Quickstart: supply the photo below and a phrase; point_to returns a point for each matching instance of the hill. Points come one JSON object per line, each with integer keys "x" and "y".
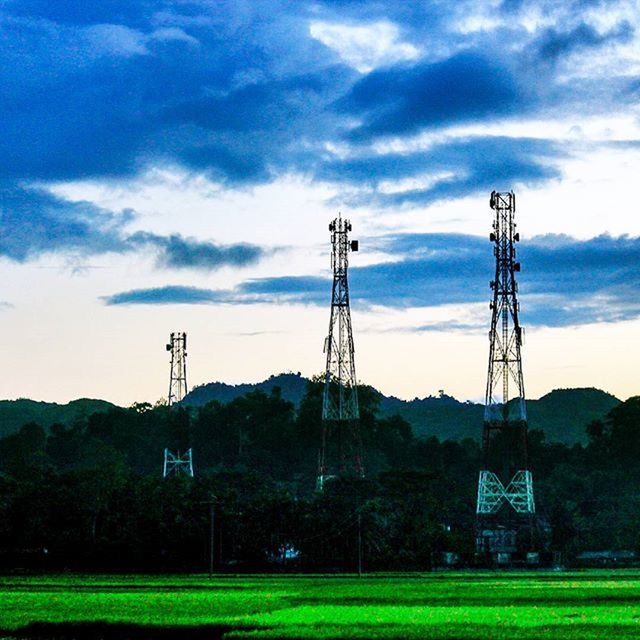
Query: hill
{"x": 292, "y": 386}
{"x": 15, "y": 413}
{"x": 562, "y": 414}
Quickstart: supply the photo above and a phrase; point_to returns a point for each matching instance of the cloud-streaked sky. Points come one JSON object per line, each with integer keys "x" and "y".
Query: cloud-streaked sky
{"x": 173, "y": 165}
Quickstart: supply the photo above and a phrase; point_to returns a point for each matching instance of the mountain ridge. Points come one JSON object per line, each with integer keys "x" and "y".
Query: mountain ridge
{"x": 561, "y": 413}
{"x": 16, "y": 413}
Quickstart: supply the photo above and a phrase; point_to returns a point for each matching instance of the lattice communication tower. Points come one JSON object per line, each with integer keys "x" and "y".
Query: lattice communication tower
{"x": 505, "y": 409}
{"x": 341, "y": 448}
{"x": 175, "y": 461}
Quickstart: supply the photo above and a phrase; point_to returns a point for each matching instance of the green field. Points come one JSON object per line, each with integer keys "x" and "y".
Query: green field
{"x": 531, "y": 606}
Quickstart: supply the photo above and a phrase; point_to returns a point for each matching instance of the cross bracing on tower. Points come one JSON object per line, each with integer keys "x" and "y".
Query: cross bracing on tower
{"x": 176, "y": 463}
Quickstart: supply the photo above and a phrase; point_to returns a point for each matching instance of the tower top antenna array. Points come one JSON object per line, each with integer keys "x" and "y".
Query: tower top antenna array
{"x": 340, "y": 449}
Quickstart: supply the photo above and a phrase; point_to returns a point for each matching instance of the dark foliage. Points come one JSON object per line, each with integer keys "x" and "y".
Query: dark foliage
{"x": 89, "y": 494}
{"x": 561, "y": 414}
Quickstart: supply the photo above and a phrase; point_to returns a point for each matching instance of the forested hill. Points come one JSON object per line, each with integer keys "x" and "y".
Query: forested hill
{"x": 15, "y": 413}
{"x": 292, "y": 387}
{"x": 561, "y": 414}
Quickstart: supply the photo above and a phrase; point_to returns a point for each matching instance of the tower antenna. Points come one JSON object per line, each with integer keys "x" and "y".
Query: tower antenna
{"x": 505, "y": 412}
{"x": 340, "y": 448}
{"x": 175, "y": 462}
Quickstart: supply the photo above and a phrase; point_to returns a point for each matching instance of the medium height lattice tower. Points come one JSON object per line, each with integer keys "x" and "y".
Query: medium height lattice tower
{"x": 340, "y": 449}
{"x": 505, "y": 411}
{"x": 175, "y": 462}
{"x": 177, "y": 346}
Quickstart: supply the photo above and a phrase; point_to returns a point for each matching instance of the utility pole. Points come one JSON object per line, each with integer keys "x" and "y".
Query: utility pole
{"x": 176, "y": 462}
{"x": 359, "y": 545}
{"x": 340, "y": 448}
{"x": 212, "y": 516}
{"x": 211, "y": 503}
{"x": 505, "y": 409}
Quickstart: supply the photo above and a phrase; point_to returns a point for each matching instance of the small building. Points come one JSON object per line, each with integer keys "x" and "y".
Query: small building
{"x": 445, "y": 559}
{"x": 498, "y": 540}
{"x": 608, "y": 558}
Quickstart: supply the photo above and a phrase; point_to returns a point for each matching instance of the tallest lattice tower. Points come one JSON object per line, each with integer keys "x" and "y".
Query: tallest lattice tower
{"x": 505, "y": 480}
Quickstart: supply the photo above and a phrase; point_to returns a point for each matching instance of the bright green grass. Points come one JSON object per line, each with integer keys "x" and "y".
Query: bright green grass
{"x": 456, "y": 606}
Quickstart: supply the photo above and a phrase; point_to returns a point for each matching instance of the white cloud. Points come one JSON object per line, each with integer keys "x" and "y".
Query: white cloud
{"x": 116, "y": 39}
{"x": 173, "y": 33}
{"x": 364, "y": 47}
{"x": 424, "y": 181}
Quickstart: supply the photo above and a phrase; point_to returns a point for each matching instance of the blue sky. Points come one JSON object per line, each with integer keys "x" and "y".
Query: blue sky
{"x": 173, "y": 165}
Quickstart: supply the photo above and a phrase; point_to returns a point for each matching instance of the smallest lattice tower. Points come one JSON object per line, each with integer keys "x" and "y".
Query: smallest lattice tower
{"x": 176, "y": 462}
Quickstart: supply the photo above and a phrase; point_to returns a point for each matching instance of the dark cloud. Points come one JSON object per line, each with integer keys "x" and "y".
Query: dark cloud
{"x": 168, "y": 295}
{"x": 302, "y": 289}
{"x": 237, "y": 90}
{"x": 511, "y": 6}
{"x": 572, "y": 8}
{"x": 564, "y": 281}
{"x": 601, "y": 274}
{"x": 466, "y": 166}
{"x": 465, "y": 327}
{"x": 178, "y": 252}
{"x": 405, "y": 99}
{"x": 553, "y": 44}
{"x": 33, "y": 222}
{"x": 241, "y": 92}
{"x": 212, "y": 87}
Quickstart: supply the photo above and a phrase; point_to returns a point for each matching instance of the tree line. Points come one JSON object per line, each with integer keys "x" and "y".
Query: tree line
{"x": 90, "y": 495}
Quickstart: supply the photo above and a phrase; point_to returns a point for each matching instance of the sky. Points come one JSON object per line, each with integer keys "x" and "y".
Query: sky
{"x": 173, "y": 166}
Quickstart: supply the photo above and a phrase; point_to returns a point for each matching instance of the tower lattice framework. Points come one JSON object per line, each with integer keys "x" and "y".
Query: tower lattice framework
{"x": 505, "y": 409}
{"x": 175, "y": 461}
{"x": 340, "y": 449}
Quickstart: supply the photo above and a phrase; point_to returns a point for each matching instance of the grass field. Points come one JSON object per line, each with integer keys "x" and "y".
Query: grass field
{"x": 515, "y": 606}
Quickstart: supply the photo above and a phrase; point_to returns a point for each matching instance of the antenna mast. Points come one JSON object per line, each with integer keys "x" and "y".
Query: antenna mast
{"x": 340, "y": 412}
{"x": 175, "y": 462}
